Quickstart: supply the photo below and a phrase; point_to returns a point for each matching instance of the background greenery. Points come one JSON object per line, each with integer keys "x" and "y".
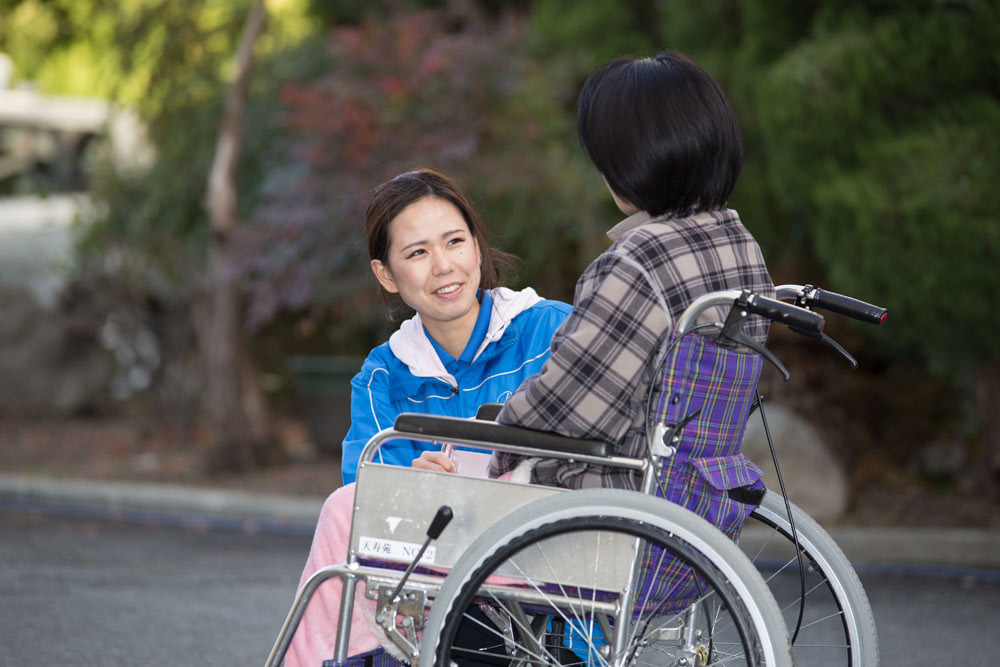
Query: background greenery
{"x": 872, "y": 154}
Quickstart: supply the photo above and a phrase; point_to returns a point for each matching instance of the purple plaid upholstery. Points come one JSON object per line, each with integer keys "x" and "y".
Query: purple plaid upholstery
{"x": 377, "y": 658}
{"x": 698, "y": 374}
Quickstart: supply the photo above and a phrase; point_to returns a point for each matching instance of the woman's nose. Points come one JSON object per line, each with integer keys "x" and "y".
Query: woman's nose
{"x": 441, "y": 263}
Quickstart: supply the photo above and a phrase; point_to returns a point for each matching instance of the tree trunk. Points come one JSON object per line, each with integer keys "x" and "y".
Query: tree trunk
{"x": 234, "y": 404}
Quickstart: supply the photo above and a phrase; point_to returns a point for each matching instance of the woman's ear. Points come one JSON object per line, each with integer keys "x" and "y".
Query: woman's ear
{"x": 384, "y": 277}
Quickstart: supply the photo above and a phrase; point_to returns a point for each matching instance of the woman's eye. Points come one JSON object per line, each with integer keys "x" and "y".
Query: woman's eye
{"x": 456, "y": 240}
{"x": 418, "y": 251}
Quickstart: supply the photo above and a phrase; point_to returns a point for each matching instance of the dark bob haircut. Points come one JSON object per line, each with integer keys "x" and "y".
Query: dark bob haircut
{"x": 662, "y": 133}
{"x": 389, "y": 199}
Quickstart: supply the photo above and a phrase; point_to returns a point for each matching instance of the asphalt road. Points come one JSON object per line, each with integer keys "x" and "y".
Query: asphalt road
{"x": 926, "y": 620}
{"x": 80, "y": 592}
{"x": 91, "y": 592}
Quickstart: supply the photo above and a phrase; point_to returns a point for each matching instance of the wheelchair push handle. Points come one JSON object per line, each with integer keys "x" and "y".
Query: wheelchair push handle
{"x": 847, "y": 306}
{"x": 785, "y": 313}
{"x": 749, "y": 302}
{"x": 809, "y": 296}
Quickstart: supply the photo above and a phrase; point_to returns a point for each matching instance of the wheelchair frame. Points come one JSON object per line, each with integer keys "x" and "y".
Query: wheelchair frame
{"x": 522, "y": 507}
{"x": 516, "y": 502}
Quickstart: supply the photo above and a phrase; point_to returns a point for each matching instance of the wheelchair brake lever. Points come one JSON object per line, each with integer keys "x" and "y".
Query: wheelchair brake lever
{"x": 824, "y": 338}
{"x": 743, "y": 339}
{"x": 441, "y": 520}
{"x": 733, "y": 330}
{"x": 409, "y": 606}
{"x": 803, "y": 302}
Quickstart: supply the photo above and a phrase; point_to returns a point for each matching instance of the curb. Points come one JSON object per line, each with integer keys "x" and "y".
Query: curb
{"x": 161, "y": 504}
{"x": 948, "y": 551}
{"x": 912, "y": 549}
{"x": 903, "y": 548}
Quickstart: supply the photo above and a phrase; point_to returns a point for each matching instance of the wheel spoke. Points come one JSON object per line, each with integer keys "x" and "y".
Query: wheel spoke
{"x": 566, "y": 575}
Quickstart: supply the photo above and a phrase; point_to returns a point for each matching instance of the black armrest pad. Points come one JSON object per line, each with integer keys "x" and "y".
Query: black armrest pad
{"x": 489, "y": 411}
{"x": 443, "y": 428}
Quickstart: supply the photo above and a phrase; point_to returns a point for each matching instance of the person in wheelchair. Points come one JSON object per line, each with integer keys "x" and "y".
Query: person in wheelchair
{"x": 471, "y": 341}
{"x": 668, "y": 145}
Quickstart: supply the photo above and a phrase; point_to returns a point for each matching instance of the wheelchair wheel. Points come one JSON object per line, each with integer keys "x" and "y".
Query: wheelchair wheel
{"x": 838, "y": 627}
{"x": 548, "y": 579}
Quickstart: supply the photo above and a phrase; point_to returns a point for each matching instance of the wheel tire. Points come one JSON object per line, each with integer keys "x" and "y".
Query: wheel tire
{"x": 736, "y": 587}
{"x": 838, "y": 627}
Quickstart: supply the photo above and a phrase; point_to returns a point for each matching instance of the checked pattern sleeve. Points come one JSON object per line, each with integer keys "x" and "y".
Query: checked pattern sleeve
{"x": 602, "y": 362}
{"x": 600, "y": 355}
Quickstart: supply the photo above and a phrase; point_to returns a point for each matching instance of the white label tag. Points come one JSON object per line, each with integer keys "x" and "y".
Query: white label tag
{"x": 378, "y": 547}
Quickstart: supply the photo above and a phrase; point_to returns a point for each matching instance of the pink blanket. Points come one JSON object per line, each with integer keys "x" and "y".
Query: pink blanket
{"x": 316, "y": 636}
{"x": 315, "y": 639}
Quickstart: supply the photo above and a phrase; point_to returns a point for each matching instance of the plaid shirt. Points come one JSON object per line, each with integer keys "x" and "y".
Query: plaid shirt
{"x": 595, "y": 382}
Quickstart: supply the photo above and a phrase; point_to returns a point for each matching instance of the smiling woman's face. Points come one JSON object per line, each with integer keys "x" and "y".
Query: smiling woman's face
{"x": 433, "y": 264}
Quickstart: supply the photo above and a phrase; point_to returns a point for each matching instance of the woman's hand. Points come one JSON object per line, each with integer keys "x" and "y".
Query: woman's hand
{"x": 436, "y": 461}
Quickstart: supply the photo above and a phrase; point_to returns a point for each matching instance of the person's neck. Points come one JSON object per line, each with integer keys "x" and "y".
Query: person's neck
{"x": 453, "y": 336}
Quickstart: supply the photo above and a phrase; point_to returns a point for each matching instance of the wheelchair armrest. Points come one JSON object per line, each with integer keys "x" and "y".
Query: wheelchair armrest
{"x": 444, "y": 428}
{"x": 489, "y": 411}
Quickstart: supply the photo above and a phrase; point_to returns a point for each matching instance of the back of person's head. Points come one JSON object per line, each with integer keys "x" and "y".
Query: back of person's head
{"x": 662, "y": 133}
{"x": 391, "y": 198}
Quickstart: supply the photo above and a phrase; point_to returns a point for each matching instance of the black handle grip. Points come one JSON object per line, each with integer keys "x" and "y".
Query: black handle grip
{"x": 440, "y": 522}
{"x": 847, "y": 306}
{"x": 786, "y": 313}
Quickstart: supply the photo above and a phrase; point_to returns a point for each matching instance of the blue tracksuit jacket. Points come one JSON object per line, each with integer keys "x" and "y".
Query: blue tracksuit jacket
{"x": 406, "y": 374}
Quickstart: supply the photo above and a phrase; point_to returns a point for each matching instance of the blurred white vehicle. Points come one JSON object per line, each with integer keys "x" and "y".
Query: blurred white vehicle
{"x": 48, "y": 146}
{"x": 59, "y": 356}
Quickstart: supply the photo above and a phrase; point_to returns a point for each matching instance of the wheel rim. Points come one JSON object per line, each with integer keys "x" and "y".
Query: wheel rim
{"x": 558, "y": 624}
{"x": 837, "y": 627}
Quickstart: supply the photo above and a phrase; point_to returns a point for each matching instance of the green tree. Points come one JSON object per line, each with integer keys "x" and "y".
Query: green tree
{"x": 156, "y": 246}
{"x": 594, "y": 32}
{"x": 870, "y": 137}
{"x": 871, "y": 147}
{"x": 328, "y": 117}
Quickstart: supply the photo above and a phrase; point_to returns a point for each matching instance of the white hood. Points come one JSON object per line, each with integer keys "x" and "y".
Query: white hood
{"x": 411, "y": 345}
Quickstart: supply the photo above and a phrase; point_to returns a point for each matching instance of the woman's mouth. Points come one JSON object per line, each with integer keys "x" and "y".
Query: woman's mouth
{"x": 448, "y": 289}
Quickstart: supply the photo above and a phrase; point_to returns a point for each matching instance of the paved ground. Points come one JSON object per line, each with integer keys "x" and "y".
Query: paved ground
{"x": 97, "y": 592}
{"x": 86, "y": 592}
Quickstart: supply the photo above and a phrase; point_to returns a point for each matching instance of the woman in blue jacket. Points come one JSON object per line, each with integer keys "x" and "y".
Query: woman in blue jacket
{"x": 470, "y": 342}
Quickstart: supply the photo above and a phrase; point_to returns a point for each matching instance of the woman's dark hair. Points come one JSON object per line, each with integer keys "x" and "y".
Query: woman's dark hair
{"x": 662, "y": 133}
{"x": 389, "y": 199}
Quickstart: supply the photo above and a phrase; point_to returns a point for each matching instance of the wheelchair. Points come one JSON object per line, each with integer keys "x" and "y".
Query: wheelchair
{"x": 532, "y": 575}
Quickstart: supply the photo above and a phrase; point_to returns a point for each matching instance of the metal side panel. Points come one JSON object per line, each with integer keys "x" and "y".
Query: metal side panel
{"x": 395, "y": 505}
